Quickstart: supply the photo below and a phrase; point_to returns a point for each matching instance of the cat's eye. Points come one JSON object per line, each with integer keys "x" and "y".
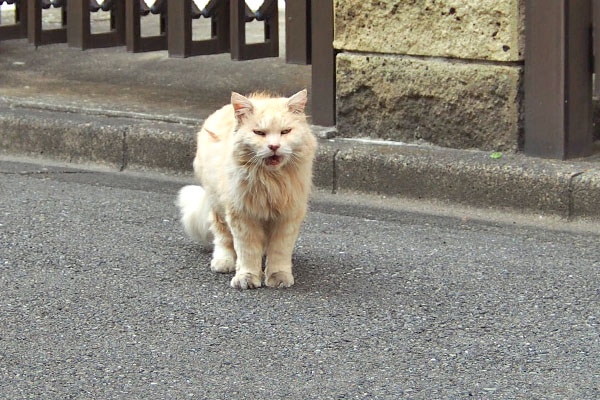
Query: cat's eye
{"x": 285, "y": 131}
{"x": 260, "y": 133}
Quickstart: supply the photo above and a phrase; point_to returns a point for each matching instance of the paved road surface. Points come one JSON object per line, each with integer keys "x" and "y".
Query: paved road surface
{"x": 102, "y": 297}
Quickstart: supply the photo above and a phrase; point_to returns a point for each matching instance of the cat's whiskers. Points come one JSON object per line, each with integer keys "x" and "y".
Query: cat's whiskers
{"x": 294, "y": 158}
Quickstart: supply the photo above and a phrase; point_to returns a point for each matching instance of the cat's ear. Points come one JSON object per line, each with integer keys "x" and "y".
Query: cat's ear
{"x": 297, "y": 103}
{"x": 241, "y": 105}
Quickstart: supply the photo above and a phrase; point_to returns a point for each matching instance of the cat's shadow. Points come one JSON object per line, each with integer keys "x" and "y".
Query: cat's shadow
{"x": 330, "y": 275}
{"x": 314, "y": 271}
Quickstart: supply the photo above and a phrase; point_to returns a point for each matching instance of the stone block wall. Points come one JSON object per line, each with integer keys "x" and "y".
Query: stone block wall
{"x": 445, "y": 71}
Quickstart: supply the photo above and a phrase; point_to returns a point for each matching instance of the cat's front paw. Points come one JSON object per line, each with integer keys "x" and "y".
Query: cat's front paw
{"x": 222, "y": 265}
{"x": 246, "y": 280}
{"x": 281, "y": 279}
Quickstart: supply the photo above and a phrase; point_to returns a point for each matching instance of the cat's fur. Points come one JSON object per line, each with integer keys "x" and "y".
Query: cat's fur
{"x": 254, "y": 161}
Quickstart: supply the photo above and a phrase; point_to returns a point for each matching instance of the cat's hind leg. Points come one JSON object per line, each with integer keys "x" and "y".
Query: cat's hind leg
{"x": 224, "y": 257}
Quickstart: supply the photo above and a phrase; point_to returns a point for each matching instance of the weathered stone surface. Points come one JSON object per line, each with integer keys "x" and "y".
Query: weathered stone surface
{"x": 323, "y": 172}
{"x": 474, "y": 29}
{"x": 452, "y": 104}
{"x": 585, "y": 192}
{"x": 161, "y": 146}
{"x": 78, "y": 138}
{"x": 458, "y": 176}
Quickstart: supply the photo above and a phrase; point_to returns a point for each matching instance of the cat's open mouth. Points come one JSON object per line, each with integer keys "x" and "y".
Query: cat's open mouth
{"x": 274, "y": 160}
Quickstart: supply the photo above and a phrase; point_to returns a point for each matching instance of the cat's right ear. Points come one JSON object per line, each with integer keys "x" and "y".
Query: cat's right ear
{"x": 297, "y": 103}
{"x": 242, "y": 106}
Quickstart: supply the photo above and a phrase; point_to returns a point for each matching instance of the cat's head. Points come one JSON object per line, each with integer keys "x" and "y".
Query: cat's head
{"x": 271, "y": 132}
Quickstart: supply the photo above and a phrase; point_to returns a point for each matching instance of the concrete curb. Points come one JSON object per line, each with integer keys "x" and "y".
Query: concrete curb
{"x": 118, "y": 141}
{"x": 515, "y": 182}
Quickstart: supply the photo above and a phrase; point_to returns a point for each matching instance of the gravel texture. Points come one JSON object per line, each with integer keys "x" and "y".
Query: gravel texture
{"x": 104, "y": 297}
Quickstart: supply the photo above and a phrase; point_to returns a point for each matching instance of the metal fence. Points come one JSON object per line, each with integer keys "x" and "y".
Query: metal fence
{"x": 562, "y": 37}
{"x": 309, "y": 33}
{"x": 559, "y": 55}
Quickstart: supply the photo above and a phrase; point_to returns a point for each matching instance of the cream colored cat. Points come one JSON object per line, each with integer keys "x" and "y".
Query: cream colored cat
{"x": 254, "y": 161}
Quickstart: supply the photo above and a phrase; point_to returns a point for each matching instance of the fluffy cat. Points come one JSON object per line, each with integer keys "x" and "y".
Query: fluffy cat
{"x": 254, "y": 162}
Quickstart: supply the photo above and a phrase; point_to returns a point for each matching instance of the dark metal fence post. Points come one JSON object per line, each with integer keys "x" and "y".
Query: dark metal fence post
{"x": 220, "y": 28}
{"x": 237, "y": 24}
{"x": 596, "y": 44}
{"x": 117, "y": 17}
{"x": 179, "y": 31}
{"x": 323, "y": 63}
{"x": 34, "y": 21}
{"x": 132, "y": 25}
{"x": 558, "y": 78}
{"x": 297, "y": 31}
{"x": 78, "y": 23}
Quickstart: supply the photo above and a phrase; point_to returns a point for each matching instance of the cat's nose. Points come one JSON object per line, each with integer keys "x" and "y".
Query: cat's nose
{"x": 274, "y": 147}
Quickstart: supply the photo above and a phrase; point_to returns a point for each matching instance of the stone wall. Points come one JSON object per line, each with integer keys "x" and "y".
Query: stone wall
{"x": 445, "y": 71}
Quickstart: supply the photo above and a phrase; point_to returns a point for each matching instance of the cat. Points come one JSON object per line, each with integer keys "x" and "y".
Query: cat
{"x": 254, "y": 161}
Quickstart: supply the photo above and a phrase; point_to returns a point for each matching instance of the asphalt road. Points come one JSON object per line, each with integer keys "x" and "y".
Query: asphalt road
{"x": 102, "y": 297}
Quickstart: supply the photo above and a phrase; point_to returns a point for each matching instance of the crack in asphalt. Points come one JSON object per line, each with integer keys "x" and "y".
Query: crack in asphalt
{"x": 571, "y": 200}
{"x": 334, "y": 177}
{"x": 42, "y": 172}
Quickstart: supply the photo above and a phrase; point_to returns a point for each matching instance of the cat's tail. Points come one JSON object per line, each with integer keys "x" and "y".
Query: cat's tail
{"x": 195, "y": 211}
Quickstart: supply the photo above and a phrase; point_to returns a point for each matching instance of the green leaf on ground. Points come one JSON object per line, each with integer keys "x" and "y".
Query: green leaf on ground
{"x": 496, "y": 155}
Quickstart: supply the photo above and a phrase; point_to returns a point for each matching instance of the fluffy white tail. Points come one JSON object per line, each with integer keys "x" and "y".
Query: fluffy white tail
{"x": 195, "y": 210}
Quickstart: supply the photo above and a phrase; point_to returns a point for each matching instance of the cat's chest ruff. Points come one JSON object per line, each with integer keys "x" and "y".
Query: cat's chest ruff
{"x": 264, "y": 197}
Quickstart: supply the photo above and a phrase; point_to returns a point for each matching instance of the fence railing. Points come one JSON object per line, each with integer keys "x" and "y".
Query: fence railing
{"x": 559, "y": 54}
{"x": 309, "y": 33}
{"x": 561, "y": 39}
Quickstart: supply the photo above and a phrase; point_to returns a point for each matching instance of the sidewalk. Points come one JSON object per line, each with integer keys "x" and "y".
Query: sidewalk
{"x": 142, "y": 110}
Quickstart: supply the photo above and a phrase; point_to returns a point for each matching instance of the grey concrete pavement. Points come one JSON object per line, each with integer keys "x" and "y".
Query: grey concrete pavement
{"x": 104, "y": 297}
{"x": 150, "y": 83}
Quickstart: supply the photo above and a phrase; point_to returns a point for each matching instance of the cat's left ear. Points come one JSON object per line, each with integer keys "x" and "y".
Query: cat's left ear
{"x": 297, "y": 103}
{"x": 241, "y": 105}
